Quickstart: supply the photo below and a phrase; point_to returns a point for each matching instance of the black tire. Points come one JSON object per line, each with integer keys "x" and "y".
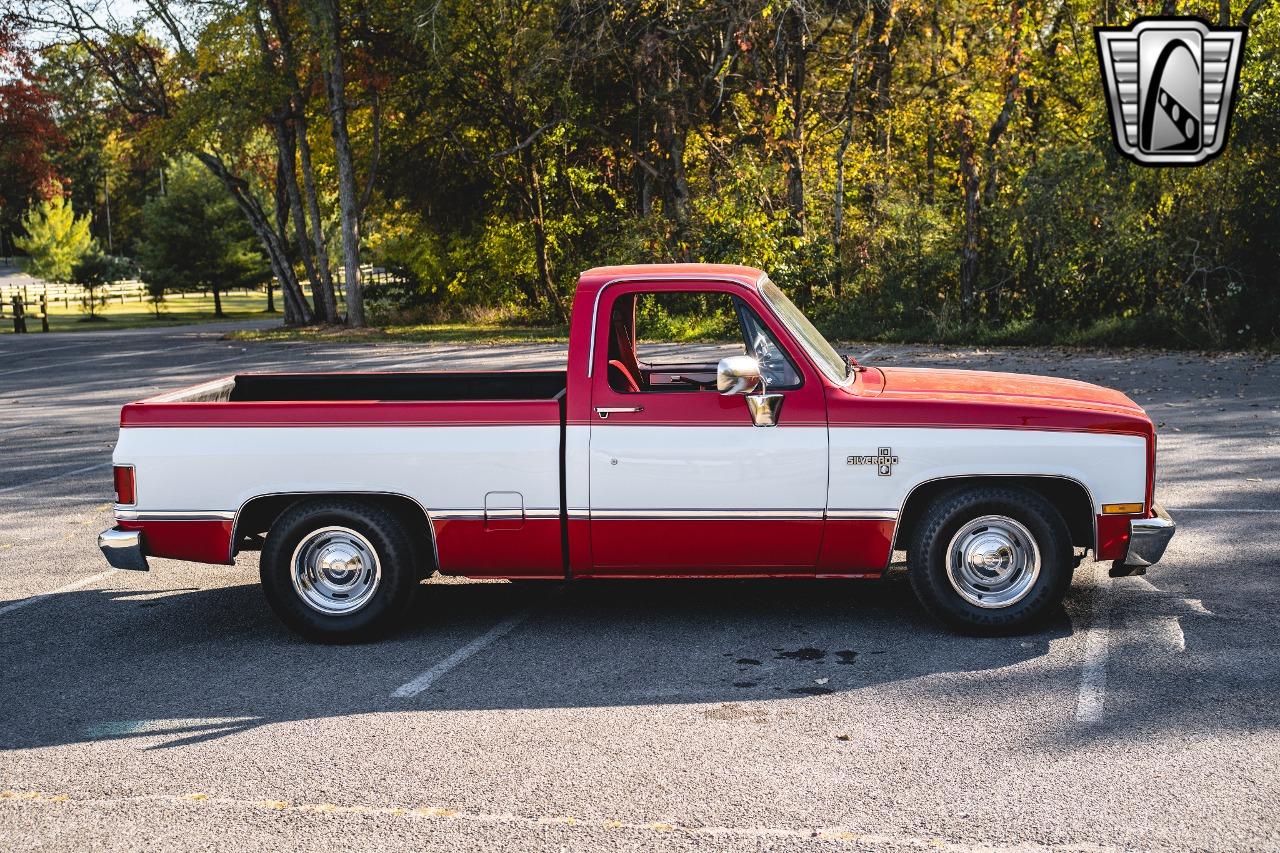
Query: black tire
{"x": 947, "y": 516}
{"x": 384, "y": 599}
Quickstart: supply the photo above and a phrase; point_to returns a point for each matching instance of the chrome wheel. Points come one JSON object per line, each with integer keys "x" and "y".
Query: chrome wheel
{"x": 993, "y": 561}
{"x": 335, "y": 570}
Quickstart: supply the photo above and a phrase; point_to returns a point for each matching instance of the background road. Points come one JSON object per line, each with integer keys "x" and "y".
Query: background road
{"x": 170, "y": 710}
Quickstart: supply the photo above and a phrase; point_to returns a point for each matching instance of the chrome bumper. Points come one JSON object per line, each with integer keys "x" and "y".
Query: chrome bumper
{"x": 1148, "y": 537}
{"x": 123, "y": 549}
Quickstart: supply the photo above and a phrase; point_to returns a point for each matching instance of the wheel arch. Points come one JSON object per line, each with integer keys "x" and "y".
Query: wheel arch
{"x": 1069, "y": 496}
{"x": 257, "y": 514}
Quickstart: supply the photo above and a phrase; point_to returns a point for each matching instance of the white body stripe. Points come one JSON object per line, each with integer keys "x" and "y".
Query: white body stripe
{"x": 220, "y": 468}
{"x": 1112, "y": 467}
{"x": 707, "y": 468}
{"x": 659, "y": 469}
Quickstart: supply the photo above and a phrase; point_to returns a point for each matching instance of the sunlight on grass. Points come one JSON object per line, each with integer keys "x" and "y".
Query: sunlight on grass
{"x": 175, "y": 311}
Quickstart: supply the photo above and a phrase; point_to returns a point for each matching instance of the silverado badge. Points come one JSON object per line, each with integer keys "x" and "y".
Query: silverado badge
{"x": 884, "y": 460}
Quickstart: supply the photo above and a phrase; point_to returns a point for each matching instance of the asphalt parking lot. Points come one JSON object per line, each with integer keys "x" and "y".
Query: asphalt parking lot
{"x": 170, "y": 710}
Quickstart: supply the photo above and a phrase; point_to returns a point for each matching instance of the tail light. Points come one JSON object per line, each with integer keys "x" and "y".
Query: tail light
{"x": 126, "y": 490}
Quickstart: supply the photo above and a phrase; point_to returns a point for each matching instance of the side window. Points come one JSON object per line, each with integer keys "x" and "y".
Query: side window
{"x": 775, "y": 365}
{"x": 672, "y": 341}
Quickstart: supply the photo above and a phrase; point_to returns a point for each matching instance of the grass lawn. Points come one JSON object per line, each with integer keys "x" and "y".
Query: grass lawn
{"x": 175, "y": 311}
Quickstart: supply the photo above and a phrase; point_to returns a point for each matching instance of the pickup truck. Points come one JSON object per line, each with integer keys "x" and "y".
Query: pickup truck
{"x": 781, "y": 459}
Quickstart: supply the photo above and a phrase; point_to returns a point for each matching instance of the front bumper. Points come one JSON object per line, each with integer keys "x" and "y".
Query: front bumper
{"x": 1148, "y": 537}
{"x": 124, "y": 549}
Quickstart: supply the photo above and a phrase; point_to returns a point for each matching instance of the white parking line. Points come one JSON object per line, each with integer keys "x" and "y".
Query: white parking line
{"x": 43, "y": 350}
{"x": 56, "y": 477}
{"x": 9, "y": 608}
{"x": 109, "y": 355}
{"x": 412, "y": 688}
{"x": 867, "y": 355}
{"x": 1097, "y": 648}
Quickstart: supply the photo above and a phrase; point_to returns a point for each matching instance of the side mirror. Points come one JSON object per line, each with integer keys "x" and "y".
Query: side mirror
{"x": 738, "y": 374}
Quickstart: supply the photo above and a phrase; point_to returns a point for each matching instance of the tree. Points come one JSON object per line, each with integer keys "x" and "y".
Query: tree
{"x": 327, "y": 21}
{"x": 94, "y": 271}
{"x": 28, "y": 134}
{"x": 56, "y": 239}
{"x": 194, "y": 239}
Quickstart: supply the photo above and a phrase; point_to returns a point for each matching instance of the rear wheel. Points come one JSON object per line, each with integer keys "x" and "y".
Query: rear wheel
{"x": 338, "y": 570}
{"x": 990, "y": 560}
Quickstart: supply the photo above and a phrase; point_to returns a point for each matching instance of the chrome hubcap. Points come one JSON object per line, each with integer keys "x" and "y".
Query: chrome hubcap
{"x": 993, "y": 561}
{"x": 335, "y": 570}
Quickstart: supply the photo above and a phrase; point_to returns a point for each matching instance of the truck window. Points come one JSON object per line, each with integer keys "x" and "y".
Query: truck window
{"x": 672, "y": 341}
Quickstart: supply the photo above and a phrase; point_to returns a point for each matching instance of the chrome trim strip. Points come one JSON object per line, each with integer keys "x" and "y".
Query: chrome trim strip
{"x": 175, "y": 515}
{"x": 862, "y": 514}
{"x": 595, "y": 309}
{"x": 709, "y": 514}
{"x": 503, "y": 513}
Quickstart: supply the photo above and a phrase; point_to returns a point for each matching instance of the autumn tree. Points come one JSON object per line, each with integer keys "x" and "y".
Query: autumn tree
{"x": 28, "y": 134}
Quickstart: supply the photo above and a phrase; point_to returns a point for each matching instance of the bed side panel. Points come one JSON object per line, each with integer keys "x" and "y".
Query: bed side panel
{"x": 450, "y": 470}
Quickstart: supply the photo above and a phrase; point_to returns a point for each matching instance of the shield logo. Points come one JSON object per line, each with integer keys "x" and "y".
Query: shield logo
{"x": 1170, "y": 86}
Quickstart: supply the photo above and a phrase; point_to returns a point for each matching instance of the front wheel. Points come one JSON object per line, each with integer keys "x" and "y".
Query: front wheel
{"x": 338, "y": 570}
{"x": 990, "y": 560}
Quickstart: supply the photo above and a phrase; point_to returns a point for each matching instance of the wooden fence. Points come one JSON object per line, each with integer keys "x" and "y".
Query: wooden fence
{"x": 33, "y": 292}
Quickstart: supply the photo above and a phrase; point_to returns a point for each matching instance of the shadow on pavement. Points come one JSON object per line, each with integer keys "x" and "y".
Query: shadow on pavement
{"x": 200, "y": 665}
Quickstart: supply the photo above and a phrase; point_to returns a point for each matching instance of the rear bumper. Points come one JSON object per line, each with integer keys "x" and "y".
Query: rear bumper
{"x": 124, "y": 549}
{"x": 1148, "y": 537}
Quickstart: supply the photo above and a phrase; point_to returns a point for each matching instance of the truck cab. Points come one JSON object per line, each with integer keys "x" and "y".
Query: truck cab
{"x": 766, "y": 455}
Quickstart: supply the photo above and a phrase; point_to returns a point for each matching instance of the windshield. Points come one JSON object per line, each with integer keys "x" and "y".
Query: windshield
{"x": 810, "y": 338}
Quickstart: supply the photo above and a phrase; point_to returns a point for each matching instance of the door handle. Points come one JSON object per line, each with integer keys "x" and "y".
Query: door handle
{"x": 605, "y": 411}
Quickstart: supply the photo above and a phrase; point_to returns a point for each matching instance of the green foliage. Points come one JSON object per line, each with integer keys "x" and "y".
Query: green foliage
{"x": 94, "y": 271}
{"x": 905, "y": 170}
{"x": 56, "y": 239}
{"x": 194, "y": 238}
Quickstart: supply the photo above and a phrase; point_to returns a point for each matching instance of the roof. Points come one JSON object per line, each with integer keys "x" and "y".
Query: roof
{"x": 746, "y": 275}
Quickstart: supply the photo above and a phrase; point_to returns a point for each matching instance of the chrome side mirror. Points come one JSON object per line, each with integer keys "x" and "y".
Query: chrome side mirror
{"x": 738, "y": 374}
{"x": 764, "y": 409}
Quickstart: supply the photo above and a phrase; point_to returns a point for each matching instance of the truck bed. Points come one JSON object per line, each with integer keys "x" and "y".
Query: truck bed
{"x": 325, "y": 387}
{"x": 346, "y": 398}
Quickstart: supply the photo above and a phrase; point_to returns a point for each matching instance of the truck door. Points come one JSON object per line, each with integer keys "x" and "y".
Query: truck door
{"x": 682, "y": 481}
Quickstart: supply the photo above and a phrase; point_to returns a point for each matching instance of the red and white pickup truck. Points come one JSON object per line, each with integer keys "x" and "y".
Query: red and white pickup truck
{"x": 782, "y": 460}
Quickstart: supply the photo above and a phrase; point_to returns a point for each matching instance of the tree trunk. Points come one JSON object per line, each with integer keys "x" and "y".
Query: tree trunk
{"x": 335, "y": 82}
{"x": 296, "y": 310}
{"x": 286, "y": 150}
{"x": 545, "y": 279}
{"x": 879, "y": 35}
{"x": 969, "y": 184}
{"x": 324, "y": 281}
{"x": 794, "y": 72}
{"x": 217, "y": 302}
{"x": 672, "y": 136}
